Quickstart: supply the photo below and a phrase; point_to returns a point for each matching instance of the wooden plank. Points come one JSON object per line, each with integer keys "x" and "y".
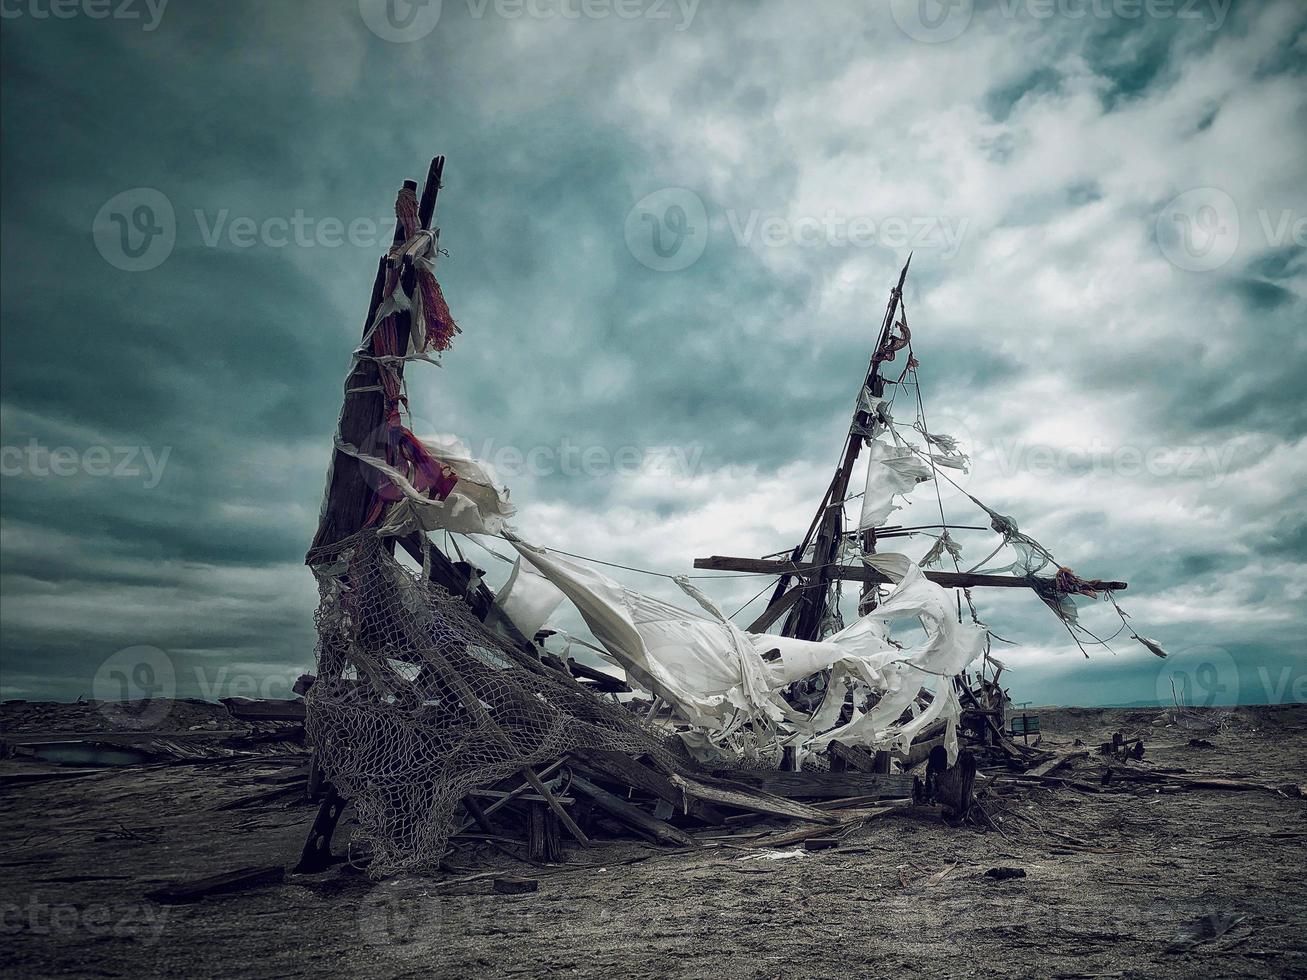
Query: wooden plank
{"x": 227, "y": 881}
{"x": 847, "y": 821}
{"x": 1055, "y": 763}
{"x": 747, "y": 798}
{"x": 621, "y": 767}
{"x": 856, "y": 758}
{"x": 265, "y": 709}
{"x": 825, "y": 785}
{"x": 602, "y": 679}
{"x": 776, "y": 610}
{"x": 856, "y": 573}
{"x": 645, "y": 824}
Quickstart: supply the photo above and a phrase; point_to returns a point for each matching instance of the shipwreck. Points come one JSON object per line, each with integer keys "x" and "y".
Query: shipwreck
{"x": 439, "y": 713}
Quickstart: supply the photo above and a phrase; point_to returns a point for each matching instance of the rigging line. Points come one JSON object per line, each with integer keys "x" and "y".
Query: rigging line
{"x": 751, "y": 601}
{"x": 934, "y": 470}
{"x": 646, "y": 571}
{"x": 629, "y": 568}
{"x": 987, "y": 557}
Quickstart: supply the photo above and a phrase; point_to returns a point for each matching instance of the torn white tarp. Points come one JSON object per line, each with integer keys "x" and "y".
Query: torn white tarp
{"x": 717, "y": 676}
{"x": 476, "y": 505}
{"x": 892, "y": 469}
{"x": 703, "y": 665}
{"x": 528, "y": 599}
{"x": 949, "y": 648}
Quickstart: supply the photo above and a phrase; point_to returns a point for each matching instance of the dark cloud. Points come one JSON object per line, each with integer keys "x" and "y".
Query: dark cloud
{"x": 229, "y": 358}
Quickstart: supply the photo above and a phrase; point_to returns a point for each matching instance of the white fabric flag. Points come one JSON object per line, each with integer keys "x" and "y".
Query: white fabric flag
{"x": 528, "y": 599}
{"x": 891, "y": 470}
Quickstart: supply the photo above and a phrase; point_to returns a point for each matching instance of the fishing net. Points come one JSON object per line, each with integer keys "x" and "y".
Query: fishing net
{"x": 416, "y": 703}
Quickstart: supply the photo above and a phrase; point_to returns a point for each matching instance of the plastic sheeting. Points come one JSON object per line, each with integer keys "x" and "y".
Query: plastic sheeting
{"x": 477, "y": 505}
{"x": 892, "y": 469}
{"x": 695, "y": 662}
{"x": 718, "y": 677}
{"x": 528, "y": 599}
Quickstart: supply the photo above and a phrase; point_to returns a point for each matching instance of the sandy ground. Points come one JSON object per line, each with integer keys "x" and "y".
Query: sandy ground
{"x": 1127, "y": 882}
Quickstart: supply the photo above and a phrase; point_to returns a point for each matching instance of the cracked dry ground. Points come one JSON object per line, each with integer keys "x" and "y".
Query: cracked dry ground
{"x": 1126, "y": 882}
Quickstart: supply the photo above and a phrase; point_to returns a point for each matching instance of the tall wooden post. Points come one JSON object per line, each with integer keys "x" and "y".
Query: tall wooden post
{"x": 349, "y": 496}
{"x": 805, "y": 617}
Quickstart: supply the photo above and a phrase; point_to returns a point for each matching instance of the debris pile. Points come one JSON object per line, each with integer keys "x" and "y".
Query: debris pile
{"x": 439, "y": 713}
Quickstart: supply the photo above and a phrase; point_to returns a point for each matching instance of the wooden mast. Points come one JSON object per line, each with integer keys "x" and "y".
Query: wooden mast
{"x": 809, "y": 607}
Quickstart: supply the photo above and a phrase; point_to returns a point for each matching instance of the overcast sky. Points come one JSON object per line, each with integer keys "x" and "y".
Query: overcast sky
{"x": 671, "y": 232}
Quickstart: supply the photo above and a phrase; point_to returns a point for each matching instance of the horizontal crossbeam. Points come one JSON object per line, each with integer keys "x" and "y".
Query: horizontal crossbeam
{"x": 858, "y": 573}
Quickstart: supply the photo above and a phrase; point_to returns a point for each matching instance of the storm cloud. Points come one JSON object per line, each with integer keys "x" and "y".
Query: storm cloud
{"x": 1105, "y": 208}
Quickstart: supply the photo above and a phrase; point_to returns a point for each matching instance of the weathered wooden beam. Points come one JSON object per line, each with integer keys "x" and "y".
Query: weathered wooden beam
{"x": 350, "y": 495}
{"x": 825, "y": 785}
{"x": 748, "y": 798}
{"x": 776, "y": 610}
{"x": 854, "y": 573}
{"x": 620, "y": 768}
{"x": 643, "y": 823}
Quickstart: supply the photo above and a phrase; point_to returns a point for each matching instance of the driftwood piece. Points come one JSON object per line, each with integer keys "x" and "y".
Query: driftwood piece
{"x": 620, "y": 767}
{"x": 514, "y": 885}
{"x": 218, "y": 884}
{"x": 826, "y": 785}
{"x": 846, "y": 821}
{"x": 645, "y": 824}
{"x": 845, "y": 757}
{"x": 543, "y": 842}
{"x": 1055, "y": 763}
{"x": 747, "y": 798}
